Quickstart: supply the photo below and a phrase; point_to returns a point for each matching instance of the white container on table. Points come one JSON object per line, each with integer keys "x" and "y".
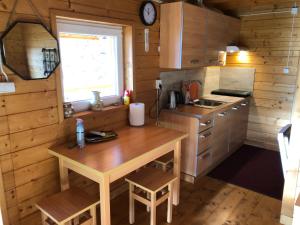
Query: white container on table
{"x": 137, "y": 114}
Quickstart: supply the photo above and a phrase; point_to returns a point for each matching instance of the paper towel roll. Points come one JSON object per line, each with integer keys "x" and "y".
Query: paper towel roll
{"x": 137, "y": 114}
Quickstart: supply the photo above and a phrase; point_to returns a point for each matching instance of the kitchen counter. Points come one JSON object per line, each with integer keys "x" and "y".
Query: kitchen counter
{"x": 214, "y": 133}
{"x": 200, "y": 112}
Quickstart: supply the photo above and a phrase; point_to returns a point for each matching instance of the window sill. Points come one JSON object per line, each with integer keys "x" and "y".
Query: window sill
{"x": 104, "y": 110}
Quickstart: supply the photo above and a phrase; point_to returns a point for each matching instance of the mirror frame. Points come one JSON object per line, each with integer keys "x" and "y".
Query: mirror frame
{"x": 2, "y": 52}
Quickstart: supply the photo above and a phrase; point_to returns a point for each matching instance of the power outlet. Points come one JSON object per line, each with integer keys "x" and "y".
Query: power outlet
{"x": 7, "y": 87}
{"x": 294, "y": 10}
{"x": 158, "y": 84}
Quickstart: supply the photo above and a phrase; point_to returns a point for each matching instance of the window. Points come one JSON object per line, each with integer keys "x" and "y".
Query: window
{"x": 92, "y": 60}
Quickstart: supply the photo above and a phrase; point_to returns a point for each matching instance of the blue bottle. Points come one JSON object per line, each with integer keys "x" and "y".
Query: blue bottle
{"x": 80, "y": 133}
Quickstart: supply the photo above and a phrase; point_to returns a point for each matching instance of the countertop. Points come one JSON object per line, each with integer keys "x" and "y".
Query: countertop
{"x": 201, "y": 112}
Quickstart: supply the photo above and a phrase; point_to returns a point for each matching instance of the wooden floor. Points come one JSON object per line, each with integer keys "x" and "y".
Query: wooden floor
{"x": 208, "y": 202}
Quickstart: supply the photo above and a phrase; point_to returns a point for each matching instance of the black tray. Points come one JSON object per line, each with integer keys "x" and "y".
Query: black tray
{"x": 94, "y": 138}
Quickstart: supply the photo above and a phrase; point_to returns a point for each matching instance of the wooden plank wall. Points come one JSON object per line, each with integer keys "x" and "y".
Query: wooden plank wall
{"x": 292, "y": 181}
{"x": 29, "y": 117}
{"x": 268, "y": 38}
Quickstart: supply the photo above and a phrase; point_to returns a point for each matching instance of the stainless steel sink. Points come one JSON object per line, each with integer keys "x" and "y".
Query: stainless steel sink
{"x": 207, "y": 103}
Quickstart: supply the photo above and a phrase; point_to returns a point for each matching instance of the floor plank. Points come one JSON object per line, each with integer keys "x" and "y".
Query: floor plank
{"x": 208, "y": 202}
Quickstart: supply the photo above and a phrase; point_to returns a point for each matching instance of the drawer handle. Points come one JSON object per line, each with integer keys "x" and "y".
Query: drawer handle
{"x": 195, "y": 61}
{"x": 222, "y": 114}
{"x": 244, "y": 104}
{"x": 203, "y": 136}
{"x": 205, "y": 124}
{"x": 235, "y": 108}
{"x": 205, "y": 155}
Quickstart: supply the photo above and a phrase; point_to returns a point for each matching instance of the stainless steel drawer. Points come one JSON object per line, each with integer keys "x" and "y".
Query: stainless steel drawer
{"x": 204, "y": 140}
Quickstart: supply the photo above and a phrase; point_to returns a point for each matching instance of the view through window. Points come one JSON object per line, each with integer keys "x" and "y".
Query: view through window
{"x": 91, "y": 56}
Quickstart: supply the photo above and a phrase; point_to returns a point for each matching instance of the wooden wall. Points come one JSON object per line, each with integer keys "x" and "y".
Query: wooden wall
{"x": 29, "y": 117}
{"x": 268, "y": 39}
{"x": 292, "y": 179}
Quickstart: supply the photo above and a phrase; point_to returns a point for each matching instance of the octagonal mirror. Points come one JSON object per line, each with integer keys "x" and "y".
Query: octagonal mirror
{"x": 30, "y": 50}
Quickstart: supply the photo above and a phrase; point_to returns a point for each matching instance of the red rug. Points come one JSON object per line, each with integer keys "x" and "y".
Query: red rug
{"x": 253, "y": 168}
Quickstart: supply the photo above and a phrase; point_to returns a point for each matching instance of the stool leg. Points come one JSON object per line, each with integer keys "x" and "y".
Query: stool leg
{"x": 170, "y": 203}
{"x": 164, "y": 167}
{"x": 149, "y": 198}
{"x": 153, "y": 209}
{"x": 44, "y": 217}
{"x": 93, "y": 215}
{"x": 76, "y": 220}
{"x": 131, "y": 204}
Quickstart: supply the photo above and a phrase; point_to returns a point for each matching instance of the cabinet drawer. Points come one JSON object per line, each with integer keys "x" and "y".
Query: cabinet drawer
{"x": 204, "y": 161}
{"x": 205, "y": 124}
{"x": 204, "y": 141}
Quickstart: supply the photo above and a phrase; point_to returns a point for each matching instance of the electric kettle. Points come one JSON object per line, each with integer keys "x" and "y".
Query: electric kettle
{"x": 172, "y": 100}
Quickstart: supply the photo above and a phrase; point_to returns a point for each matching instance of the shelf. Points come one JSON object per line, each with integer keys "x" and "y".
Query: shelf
{"x": 104, "y": 110}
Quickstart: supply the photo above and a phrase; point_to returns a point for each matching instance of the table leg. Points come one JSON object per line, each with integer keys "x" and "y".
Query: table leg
{"x": 105, "y": 201}
{"x": 64, "y": 176}
{"x": 176, "y": 171}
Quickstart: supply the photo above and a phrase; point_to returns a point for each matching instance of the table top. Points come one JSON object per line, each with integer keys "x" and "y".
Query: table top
{"x": 131, "y": 143}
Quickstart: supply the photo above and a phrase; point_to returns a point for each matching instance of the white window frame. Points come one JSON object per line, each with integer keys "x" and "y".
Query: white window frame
{"x": 92, "y": 27}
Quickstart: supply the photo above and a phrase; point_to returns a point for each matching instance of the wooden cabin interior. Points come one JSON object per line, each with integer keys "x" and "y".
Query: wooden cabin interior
{"x": 119, "y": 112}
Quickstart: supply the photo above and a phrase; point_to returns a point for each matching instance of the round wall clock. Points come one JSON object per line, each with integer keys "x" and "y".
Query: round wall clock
{"x": 148, "y": 13}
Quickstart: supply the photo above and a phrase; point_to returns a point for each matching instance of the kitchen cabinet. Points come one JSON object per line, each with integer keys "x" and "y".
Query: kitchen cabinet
{"x": 212, "y": 137}
{"x": 204, "y": 162}
{"x": 204, "y": 141}
{"x": 191, "y": 36}
{"x": 238, "y": 125}
{"x": 221, "y": 135}
{"x": 221, "y": 30}
{"x": 182, "y": 36}
{"x": 197, "y": 156}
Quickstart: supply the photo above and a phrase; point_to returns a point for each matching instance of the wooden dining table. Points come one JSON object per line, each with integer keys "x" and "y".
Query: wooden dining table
{"x": 108, "y": 161}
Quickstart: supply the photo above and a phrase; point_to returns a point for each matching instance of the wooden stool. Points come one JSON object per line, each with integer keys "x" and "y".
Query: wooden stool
{"x": 152, "y": 181}
{"x": 66, "y": 206}
{"x": 165, "y": 161}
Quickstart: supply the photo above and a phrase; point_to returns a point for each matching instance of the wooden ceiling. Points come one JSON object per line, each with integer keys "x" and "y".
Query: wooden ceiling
{"x": 237, "y": 7}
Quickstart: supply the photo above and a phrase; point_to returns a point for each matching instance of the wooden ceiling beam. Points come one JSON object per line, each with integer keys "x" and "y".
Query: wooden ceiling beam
{"x": 247, "y": 6}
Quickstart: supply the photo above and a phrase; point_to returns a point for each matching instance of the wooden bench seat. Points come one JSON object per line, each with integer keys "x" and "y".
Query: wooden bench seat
{"x": 165, "y": 161}
{"x": 65, "y": 206}
{"x": 152, "y": 181}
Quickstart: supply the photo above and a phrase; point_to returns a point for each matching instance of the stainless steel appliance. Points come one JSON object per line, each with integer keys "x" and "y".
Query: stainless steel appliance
{"x": 172, "y": 104}
{"x": 175, "y": 98}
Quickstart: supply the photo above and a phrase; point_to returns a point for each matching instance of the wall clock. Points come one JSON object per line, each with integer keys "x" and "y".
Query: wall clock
{"x": 148, "y": 13}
